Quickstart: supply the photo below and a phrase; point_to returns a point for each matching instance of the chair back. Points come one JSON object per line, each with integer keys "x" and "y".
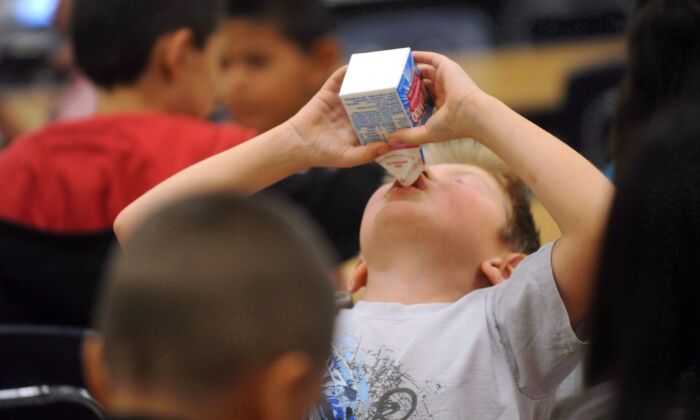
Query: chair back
{"x": 48, "y": 403}
{"x": 41, "y": 375}
{"x": 48, "y": 278}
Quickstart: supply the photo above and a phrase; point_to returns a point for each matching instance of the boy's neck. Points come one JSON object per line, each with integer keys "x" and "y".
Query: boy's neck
{"x": 130, "y": 403}
{"x": 421, "y": 280}
{"x": 144, "y": 96}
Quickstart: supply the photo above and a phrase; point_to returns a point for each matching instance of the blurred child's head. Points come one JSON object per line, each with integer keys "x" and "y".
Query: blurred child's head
{"x": 467, "y": 207}
{"x": 280, "y": 53}
{"x": 663, "y": 55}
{"x": 645, "y": 311}
{"x": 173, "y": 46}
{"x": 219, "y": 307}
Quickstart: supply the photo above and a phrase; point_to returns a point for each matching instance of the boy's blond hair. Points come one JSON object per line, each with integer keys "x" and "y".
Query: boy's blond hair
{"x": 520, "y": 231}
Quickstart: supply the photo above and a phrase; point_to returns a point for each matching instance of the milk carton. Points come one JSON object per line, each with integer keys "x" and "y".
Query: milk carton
{"x": 383, "y": 92}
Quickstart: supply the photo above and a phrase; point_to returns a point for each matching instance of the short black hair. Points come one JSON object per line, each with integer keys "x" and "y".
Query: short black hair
{"x": 213, "y": 288}
{"x": 645, "y": 312}
{"x": 113, "y": 39}
{"x": 301, "y": 21}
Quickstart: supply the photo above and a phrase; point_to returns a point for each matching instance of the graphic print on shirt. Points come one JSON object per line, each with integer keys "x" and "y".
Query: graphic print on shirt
{"x": 371, "y": 384}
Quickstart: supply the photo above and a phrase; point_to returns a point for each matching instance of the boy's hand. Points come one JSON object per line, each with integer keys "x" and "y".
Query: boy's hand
{"x": 455, "y": 94}
{"x": 324, "y": 133}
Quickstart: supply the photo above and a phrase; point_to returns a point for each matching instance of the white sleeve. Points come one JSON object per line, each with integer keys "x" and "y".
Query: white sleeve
{"x": 527, "y": 318}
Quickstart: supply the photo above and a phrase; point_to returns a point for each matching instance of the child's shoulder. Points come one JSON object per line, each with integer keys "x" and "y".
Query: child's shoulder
{"x": 391, "y": 314}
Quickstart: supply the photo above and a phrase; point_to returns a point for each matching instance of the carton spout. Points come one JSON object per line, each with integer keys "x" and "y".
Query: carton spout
{"x": 406, "y": 164}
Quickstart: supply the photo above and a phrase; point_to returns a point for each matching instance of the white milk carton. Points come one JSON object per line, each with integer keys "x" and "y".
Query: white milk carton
{"x": 383, "y": 92}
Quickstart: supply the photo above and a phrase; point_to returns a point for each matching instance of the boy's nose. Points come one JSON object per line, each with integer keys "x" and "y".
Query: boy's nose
{"x": 228, "y": 85}
{"x": 236, "y": 78}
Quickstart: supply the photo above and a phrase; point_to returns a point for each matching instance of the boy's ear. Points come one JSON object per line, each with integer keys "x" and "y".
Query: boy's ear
{"x": 172, "y": 52}
{"x": 94, "y": 369}
{"x": 499, "y": 269}
{"x": 290, "y": 385}
{"x": 358, "y": 277}
{"x": 326, "y": 55}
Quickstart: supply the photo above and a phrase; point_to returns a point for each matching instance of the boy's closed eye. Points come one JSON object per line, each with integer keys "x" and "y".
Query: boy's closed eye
{"x": 479, "y": 184}
{"x": 471, "y": 181}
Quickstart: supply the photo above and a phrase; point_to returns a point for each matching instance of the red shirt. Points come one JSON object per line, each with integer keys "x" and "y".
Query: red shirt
{"x": 77, "y": 176}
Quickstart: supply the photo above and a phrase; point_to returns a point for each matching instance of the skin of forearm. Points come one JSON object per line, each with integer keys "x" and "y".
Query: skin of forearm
{"x": 575, "y": 192}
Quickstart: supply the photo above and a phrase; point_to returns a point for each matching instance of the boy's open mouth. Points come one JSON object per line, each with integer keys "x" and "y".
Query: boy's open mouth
{"x": 419, "y": 184}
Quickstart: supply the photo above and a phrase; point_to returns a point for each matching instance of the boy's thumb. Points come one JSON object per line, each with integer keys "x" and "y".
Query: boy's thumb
{"x": 409, "y": 136}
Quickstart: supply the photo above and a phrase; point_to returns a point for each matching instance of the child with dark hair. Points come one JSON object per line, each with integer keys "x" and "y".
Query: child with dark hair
{"x": 644, "y": 360}
{"x": 663, "y": 54}
{"x": 157, "y": 64}
{"x": 281, "y": 52}
{"x": 459, "y": 322}
{"x": 231, "y": 320}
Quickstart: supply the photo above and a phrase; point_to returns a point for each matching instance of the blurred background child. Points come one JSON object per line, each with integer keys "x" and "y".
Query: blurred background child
{"x": 280, "y": 54}
{"x": 158, "y": 69}
{"x": 156, "y": 78}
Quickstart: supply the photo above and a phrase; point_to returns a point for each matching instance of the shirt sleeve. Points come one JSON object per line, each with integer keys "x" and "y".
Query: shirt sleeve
{"x": 528, "y": 319}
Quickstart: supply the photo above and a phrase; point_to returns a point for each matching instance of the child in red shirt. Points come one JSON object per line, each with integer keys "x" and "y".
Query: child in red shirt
{"x": 158, "y": 67}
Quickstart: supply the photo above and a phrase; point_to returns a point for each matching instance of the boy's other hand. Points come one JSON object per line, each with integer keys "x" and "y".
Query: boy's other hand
{"x": 324, "y": 133}
{"x": 455, "y": 95}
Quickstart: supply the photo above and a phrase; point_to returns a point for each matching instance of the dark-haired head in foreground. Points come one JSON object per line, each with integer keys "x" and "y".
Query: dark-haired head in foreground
{"x": 219, "y": 308}
{"x": 165, "y": 53}
{"x": 280, "y": 53}
{"x": 646, "y": 310}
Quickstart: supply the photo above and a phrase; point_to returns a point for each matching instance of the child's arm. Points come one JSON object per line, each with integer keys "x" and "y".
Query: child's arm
{"x": 575, "y": 193}
{"x": 319, "y": 135}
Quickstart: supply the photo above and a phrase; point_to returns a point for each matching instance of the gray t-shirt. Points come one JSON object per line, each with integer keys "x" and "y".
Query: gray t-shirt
{"x": 497, "y": 353}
